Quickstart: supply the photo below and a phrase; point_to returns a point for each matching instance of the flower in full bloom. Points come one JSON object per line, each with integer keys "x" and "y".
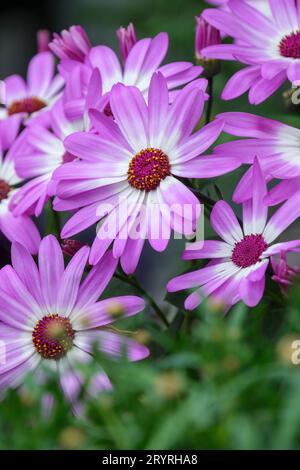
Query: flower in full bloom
{"x": 269, "y": 46}
{"x": 45, "y": 152}
{"x": 284, "y": 274}
{"x": 144, "y": 58}
{"x": 137, "y": 159}
{"x": 50, "y": 318}
{"x": 261, "y": 5}
{"x": 276, "y": 144}
{"x": 21, "y": 228}
{"x": 127, "y": 39}
{"x": 32, "y": 101}
{"x": 240, "y": 261}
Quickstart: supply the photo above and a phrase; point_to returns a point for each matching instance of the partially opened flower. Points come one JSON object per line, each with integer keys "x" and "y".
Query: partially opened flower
{"x": 21, "y": 228}
{"x": 284, "y": 274}
{"x": 50, "y": 318}
{"x": 276, "y": 144}
{"x": 240, "y": 260}
{"x": 71, "y": 47}
{"x": 127, "y": 39}
{"x": 32, "y": 101}
{"x": 128, "y": 175}
{"x": 269, "y": 46}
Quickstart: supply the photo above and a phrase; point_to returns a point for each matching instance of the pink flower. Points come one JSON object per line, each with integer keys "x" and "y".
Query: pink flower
{"x": 276, "y": 144}
{"x": 135, "y": 160}
{"x": 127, "y": 39}
{"x": 71, "y": 45}
{"x": 239, "y": 262}
{"x": 33, "y": 100}
{"x": 21, "y": 228}
{"x": 43, "y": 39}
{"x": 284, "y": 274}
{"x": 269, "y": 46}
{"x": 143, "y": 60}
{"x": 50, "y": 318}
{"x": 206, "y": 35}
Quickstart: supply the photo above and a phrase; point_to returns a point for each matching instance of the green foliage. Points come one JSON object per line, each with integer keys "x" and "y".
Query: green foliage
{"x": 217, "y": 383}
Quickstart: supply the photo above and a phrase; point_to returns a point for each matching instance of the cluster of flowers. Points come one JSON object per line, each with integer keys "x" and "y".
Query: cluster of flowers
{"x": 100, "y": 135}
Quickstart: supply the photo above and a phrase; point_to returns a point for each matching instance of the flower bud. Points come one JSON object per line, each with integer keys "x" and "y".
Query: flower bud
{"x": 206, "y": 35}
{"x": 127, "y": 39}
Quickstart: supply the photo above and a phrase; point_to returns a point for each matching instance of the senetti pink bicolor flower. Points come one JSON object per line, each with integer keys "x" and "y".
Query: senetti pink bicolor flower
{"x": 21, "y": 229}
{"x": 50, "y": 318}
{"x": 261, "y": 5}
{"x": 127, "y": 39}
{"x": 284, "y": 274}
{"x": 206, "y": 35}
{"x": 269, "y": 46}
{"x": 71, "y": 46}
{"x": 278, "y": 148}
{"x": 32, "y": 101}
{"x": 136, "y": 159}
{"x": 240, "y": 261}
{"x": 44, "y": 154}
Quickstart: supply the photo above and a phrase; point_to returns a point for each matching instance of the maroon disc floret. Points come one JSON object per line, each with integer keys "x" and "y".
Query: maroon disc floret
{"x": 4, "y": 190}
{"x": 53, "y": 336}
{"x": 26, "y": 105}
{"x": 290, "y": 45}
{"x": 148, "y": 168}
{"x": 249, "y": 250}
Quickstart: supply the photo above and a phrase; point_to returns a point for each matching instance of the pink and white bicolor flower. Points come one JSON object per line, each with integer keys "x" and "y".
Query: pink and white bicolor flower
{"x": 144, "y": 58}
{"x": 32, "y": 101}
{"x": 269, "y": 46}
{"x": 21, "y": 228}
{"x": 240, "y": 260}
{"x": 276, "y": 144}
{"x": 137, "y": 159}
{"x": 48, "y": 317}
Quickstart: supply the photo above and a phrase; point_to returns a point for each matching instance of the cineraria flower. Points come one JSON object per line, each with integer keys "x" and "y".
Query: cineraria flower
{"x": 261, "y": 5}
{"x": 71, "y": 47}
{"x": 127, "y": 39}
{"x": 45, "y": 153}
{"x": 22, "y": 228}
{"x": 276, "y": 144}
{"x": 240, "y": 261}
{"x": 32, "y": 101}
{"x": 143, "y": 60}
{"x": 284, "y": 274}
{"x": 49, "y": 318}
{"x": 135, "y": 160}
{"x": 269, "y": 46}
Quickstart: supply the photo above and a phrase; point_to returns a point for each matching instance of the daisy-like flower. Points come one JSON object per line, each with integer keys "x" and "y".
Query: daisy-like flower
{"x": 32, "y": 101}
{"x": 21, "y": 228}
{"x": 261, "y": 5}
{"x": 276, "y": 144}
{"x": 50, "y": 318}
{"x": 144, "y": 58}
{"x": 136, "y": 160}
{"x": 240, "y": 260}
{"x": 45, "y": 152}
{"x": 269, "y": 46}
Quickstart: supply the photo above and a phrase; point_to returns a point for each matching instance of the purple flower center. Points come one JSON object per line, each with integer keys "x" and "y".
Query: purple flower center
{"x": 248, "y": 251}
{"x": 148, "y": 168}
{"x": 290, "y": 45}
{"x": 53, "y": 336}
{"x": 27, "y": 105}
{"x": 4, "y": 190}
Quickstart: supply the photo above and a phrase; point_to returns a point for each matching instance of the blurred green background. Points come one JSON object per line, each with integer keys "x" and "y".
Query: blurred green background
{"x": 212, "y": 382}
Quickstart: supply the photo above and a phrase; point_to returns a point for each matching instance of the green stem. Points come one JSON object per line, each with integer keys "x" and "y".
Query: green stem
{"x": 135, "y": 283}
